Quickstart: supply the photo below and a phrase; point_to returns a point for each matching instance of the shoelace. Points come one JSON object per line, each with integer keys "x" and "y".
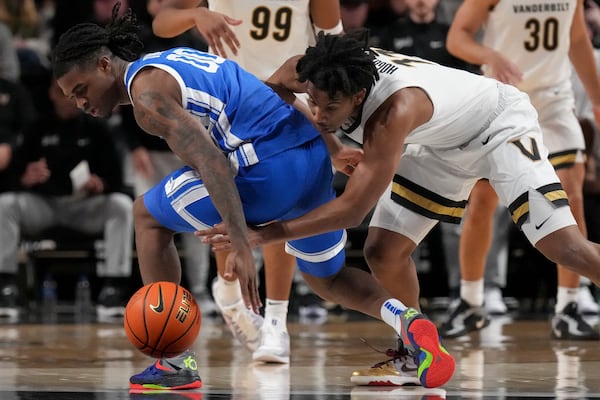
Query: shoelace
{"x": 395, "y": 354}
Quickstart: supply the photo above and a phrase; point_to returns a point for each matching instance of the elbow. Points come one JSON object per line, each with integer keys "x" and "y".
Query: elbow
{"x": 451, "y": 45}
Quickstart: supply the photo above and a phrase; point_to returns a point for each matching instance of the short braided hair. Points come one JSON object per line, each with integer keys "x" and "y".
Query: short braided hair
{"x": 338, "y": 64}
{"x": 84, "y": 42}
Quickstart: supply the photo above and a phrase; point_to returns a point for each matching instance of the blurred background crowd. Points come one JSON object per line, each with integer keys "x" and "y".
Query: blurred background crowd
{"x": 67, "y": 180}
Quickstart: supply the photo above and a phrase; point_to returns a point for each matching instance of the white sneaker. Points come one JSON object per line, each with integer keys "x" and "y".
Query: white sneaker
{"x": 274, "y": 345}
{"x": 586, "y": 302}
{"x": 494, "y": 304}
{"x": 243, "y": 323}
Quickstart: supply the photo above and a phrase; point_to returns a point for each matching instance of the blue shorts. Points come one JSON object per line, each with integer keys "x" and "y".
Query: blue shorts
{"x": 281, "y": 187}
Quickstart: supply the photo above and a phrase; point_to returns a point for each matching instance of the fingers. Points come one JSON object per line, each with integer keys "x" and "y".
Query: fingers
{"x": 221, "y": 38}
{"x": 229, "y": 269}
{"x": 226, "y": 246}
{"x": 256, "y": 303}
{"x": 214, "y": 42}
{"x": 253, "y": 298}
{"x": 214, "y": 231}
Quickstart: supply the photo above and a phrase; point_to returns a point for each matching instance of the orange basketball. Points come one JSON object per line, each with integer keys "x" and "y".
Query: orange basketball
{"x": 162, "y": 319}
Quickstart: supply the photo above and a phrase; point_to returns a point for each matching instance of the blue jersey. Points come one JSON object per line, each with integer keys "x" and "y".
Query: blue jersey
{"x": 283, "y": 167}
{"x": 242, "y": 114}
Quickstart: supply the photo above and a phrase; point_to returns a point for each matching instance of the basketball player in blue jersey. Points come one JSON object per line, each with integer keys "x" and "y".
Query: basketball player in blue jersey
{"x": 252, "y": 159}
{"x": 240, "y": 30}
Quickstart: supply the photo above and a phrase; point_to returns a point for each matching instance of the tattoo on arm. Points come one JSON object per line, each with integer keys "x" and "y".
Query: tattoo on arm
{"x": 192, "y": 143}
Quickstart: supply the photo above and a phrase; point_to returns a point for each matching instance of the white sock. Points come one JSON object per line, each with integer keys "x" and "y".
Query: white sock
{"x": 472, "y": 292}
{"x": 229, "y": 291}
{"x": 564, "y": 296}
{"x": 390, "y": 313}
{"x": 276, "y": 313}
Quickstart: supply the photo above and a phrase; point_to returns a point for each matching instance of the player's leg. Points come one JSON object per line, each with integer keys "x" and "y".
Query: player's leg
{"x": 385, "y": 248}
{"x": 568, "y": 247}
{"x": 157, "y": 255}
{"x": 357, "y": 289}
{"x": 164, "y": 210}
{"x": 274, "y": 345}
{"x": 405, "y": 214}
{"x": 568, "y": 322}
{"x": 564, "y": 139}
{"x": 468, "y": 313}
{"x": 159, "y": 261}
{"x": 528, "y": 185}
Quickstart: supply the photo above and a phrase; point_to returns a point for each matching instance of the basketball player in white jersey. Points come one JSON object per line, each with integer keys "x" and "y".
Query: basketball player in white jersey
{"x": 260, "y": 36}
{"x": 466, "y": 127}
{"x": 530, "y": 44}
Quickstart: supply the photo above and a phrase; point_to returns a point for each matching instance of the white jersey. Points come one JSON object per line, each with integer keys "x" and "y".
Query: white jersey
{"x": 535, "y": 35}
{"x": 463, "y": 102}
{"x": 271, "y": 31}
{"x": 480, "y": 128}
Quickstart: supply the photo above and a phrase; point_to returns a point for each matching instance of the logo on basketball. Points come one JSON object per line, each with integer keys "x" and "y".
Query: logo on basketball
{"x": 158, "y": 308}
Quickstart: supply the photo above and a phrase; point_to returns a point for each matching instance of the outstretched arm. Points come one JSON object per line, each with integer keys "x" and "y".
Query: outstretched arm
{"x": 386, "y": 132}
{"x": 157, "y": 109}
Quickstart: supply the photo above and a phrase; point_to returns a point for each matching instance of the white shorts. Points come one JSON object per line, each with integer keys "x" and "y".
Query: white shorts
{"x": 562, "y": 133}
{"x": 433, "y": 185}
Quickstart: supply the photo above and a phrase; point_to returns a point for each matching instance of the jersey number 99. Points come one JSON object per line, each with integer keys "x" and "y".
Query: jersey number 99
{"x": 281, "y": 21}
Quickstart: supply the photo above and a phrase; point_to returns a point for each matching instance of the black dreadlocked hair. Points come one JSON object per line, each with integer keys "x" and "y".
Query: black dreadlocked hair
{"x": 83, "y": 42}
{"x": 339, "y": 64}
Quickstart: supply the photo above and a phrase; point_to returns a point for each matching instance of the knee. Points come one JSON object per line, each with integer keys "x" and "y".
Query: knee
{"x": 320, "y": 286}
{"x": 381, "y": 256}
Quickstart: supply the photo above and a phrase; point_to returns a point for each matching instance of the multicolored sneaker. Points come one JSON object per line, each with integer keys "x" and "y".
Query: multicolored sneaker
{"x": 162, "y": 394}
{"x": 399, "y": 370}
{"x": 176, "y": 373}
{"x": 420, "y": 336}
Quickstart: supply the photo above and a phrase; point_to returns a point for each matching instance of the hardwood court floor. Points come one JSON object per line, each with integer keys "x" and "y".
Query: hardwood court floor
{"x": 507, "y": 360}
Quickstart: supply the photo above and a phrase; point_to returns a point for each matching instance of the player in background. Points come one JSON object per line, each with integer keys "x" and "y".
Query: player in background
{"x": 530, "y": 44}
